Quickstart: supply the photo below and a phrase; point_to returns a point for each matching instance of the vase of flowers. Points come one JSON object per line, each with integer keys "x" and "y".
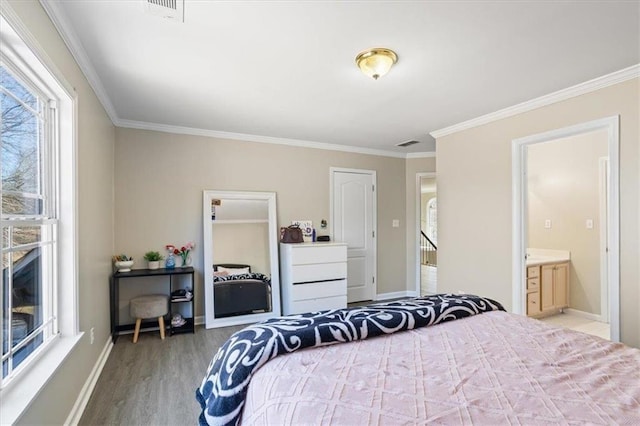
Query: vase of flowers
{"x": 170, "y": 263}
{"x": 184, "y": 253}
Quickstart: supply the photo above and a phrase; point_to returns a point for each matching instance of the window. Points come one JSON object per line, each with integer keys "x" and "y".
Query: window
{"x": 29, "y": 220}
{"x": 38, "y": 285}
{"x": 432, "y": 220}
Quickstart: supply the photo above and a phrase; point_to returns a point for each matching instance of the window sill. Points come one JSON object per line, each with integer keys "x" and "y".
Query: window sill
{"x": 17, "y": 396}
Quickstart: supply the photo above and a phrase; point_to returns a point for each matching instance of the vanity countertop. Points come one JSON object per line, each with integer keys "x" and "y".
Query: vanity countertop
{"x": 543, "y": 257}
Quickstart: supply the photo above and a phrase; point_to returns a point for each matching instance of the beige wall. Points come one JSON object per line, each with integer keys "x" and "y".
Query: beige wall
{"x": 159, "y": 179}
{"x": 95, "y": 221}
{"x": 474, "y": 197}
{"x": 413, "y": 167}
{"x": 563, "y": 187}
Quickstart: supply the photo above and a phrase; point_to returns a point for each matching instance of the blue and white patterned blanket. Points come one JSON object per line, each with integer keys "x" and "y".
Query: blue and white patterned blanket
{"x": 224, "y": 388}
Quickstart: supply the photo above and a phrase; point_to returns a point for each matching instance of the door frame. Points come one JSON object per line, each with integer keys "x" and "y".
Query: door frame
{"x": 603, "y": 179}
{"x": 416, "y": 232}
{"x": 519, "y": 208}
{"x": 374, "y": 225}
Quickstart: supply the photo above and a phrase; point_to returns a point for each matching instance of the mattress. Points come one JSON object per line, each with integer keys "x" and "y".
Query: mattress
{"x": 493, "y": 368}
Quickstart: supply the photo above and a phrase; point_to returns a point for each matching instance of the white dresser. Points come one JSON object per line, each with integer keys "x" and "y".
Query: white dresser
{"x": 313, "y": 277}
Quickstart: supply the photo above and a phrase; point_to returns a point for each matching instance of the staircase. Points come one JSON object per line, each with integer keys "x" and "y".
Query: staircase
{"x": 428, "y": 251}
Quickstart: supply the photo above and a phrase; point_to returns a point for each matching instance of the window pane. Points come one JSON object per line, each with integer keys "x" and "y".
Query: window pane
{"x": 20, "y": 147}
{"x": 9, "y": 83}
{"x": 26, "y": 292}
{"x": 18, "y": 204}
{"x": 26, "y": 235}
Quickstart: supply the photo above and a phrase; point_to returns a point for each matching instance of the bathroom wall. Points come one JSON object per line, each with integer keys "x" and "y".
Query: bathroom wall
{"x": 563, "y": 188}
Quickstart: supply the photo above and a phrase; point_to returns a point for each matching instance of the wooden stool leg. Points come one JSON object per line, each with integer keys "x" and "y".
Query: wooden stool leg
{"x": 137, "y": 330}
{"x": 161, "y": 324}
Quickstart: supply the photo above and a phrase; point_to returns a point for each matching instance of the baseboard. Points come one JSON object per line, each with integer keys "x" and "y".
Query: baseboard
{"x": 582, "y": 314}
{"x": 395, "y": 295}
{"x": 199, "y": 320}
{"x": 83, "y": 398}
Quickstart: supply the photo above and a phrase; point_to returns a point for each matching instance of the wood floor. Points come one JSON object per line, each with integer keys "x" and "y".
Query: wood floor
{"x": 153, "y": 382}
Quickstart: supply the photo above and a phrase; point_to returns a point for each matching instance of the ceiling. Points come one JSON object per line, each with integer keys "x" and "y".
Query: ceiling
{"x": 286, "y": 69}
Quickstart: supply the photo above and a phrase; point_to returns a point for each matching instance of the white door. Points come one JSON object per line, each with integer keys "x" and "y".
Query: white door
{"x": 354, "y": 223}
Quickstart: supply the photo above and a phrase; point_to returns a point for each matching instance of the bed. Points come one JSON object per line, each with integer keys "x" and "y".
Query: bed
{"x": 238, "y": 291}
{"x": 454, "y": 360}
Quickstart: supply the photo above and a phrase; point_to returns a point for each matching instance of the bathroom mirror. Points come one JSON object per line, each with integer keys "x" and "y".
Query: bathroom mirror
{"x": 242, "y": 282}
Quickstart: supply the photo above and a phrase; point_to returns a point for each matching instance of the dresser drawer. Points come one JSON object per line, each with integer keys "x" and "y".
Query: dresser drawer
{"x": 533, "y": 284}
{"x": 313, "y": 305}
{"x": 318, "y": 290}
{"x": 318, "y": 254}
{"x": 318, "y": 272}
{"x": 533, "y": 303}
{"x": 533, "y": 271}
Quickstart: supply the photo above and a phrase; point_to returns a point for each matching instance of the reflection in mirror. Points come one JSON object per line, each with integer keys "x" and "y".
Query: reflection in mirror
{"x": 241, "y": 258}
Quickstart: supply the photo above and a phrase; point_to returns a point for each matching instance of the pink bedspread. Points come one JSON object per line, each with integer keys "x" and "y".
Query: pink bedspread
{"x": 490, "y": 369}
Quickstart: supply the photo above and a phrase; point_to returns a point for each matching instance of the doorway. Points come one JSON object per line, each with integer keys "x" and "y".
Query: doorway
{"x": 353, "y": 221}
{"x": 564, "y": 219}
{"x": 524, "y": 200}
{"x": 426, "y": 234}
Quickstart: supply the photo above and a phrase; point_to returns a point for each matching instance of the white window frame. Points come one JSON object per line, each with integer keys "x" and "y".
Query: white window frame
{"x": 26, "y": 56}
{"x": 430, "y": 225}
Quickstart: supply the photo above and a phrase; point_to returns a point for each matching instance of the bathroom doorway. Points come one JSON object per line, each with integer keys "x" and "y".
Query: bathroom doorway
{"x": 557, "y": 212}
{"x": 564, "y": 220}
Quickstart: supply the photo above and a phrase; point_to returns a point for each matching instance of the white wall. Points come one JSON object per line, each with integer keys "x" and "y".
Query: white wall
{"x": 474, "y": 197}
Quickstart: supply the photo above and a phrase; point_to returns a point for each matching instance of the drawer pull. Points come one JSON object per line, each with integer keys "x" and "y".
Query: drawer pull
{"x": 318, "y": 281}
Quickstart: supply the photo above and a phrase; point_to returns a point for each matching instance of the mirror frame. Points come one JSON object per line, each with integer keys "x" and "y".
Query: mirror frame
{"x": 210, "y": 320}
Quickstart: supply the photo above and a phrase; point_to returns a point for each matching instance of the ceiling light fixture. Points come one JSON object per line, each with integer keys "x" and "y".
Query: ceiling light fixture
{"x": 376, "y": 62}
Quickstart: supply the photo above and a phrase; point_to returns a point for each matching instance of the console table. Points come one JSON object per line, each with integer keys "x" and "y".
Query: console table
{"x": 114, "y": 289}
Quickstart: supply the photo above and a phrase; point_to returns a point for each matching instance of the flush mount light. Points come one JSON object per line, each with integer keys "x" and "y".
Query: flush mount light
{"x": 376, "y": 62}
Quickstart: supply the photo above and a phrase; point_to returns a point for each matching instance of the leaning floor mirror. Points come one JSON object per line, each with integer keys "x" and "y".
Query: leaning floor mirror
{"x": 242, "y": 282}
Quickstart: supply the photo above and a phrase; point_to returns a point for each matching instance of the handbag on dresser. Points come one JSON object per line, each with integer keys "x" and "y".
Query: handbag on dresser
{"x": 291, "y": 234}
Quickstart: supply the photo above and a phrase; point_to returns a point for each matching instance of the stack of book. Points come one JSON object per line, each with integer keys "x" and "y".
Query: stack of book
{"x": 181, "y": 295}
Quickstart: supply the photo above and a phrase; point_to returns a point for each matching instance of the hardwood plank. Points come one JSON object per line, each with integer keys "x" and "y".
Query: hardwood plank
{"x": 154, "y": 381}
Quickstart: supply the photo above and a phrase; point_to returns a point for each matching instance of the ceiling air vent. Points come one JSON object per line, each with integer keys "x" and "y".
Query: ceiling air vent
{"x": 407, "y": 143}
{"x": 170, "y": 9}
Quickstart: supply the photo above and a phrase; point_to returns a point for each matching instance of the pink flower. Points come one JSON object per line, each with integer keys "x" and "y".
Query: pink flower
{"x": 183, "y": 251}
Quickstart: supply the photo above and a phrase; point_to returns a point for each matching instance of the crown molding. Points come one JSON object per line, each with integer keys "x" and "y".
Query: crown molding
{"x": 70, "y": 38}
{"x": 561, "y": 95}
{"x": 166, "y": 128}
{"x": 426, "y": 154}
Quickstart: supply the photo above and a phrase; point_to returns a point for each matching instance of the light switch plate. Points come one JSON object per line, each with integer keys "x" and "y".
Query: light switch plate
{"x": 589, "y": 223}
{"x": 395, "y": 223}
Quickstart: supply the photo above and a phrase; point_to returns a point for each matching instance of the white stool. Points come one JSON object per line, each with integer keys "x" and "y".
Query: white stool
{"x": 150, "y": 306}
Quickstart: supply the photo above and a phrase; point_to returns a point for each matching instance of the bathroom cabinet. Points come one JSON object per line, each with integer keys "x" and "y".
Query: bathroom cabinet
{"x": 547, "y": 288}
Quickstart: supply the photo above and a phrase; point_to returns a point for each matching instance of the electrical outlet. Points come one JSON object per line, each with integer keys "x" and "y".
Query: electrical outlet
{"x": 547, "y": 224}
{"x": 93, "y": 337}
{"x": 395, "y": 223}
